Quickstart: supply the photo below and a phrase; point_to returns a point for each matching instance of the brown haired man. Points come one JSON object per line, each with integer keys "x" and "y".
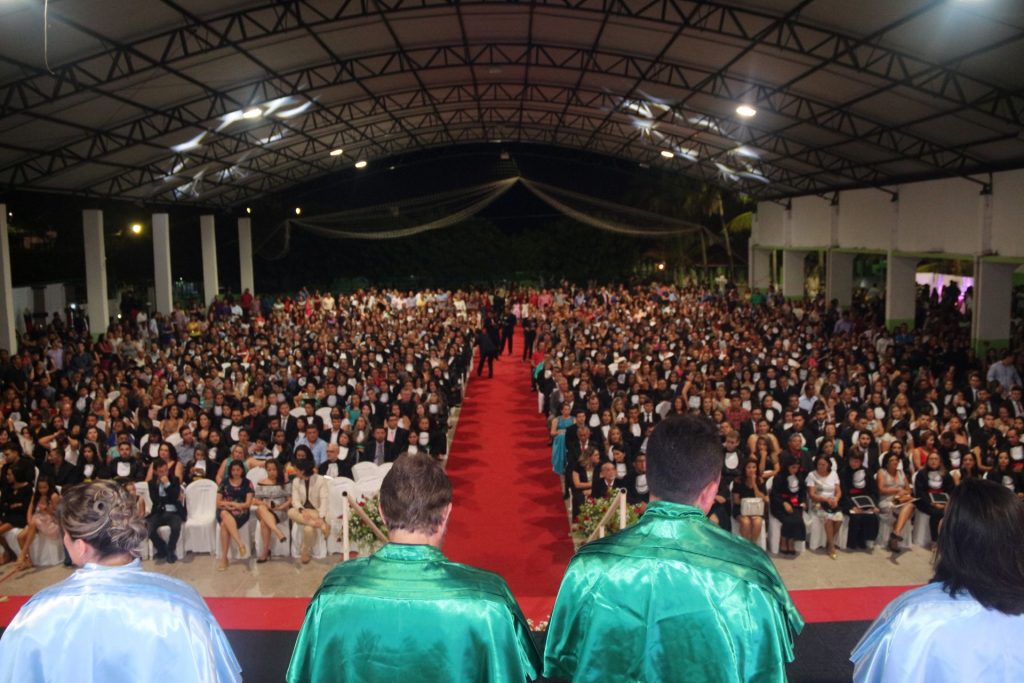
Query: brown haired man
{"x": 407, "y": 612}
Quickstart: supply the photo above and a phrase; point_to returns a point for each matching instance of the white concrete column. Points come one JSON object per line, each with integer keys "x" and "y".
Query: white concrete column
{"x": 8, "y": 336}
{"x": 839, "y": 277}
{"x": 900, "y": 290}
{"x": 245, "y": 254}
{"x": 95, "y": 271}
{"x": 211, "y": 285}
{"x": 993, "y": 301}
{"x": 162, "y": 283}
{"x": 759, "y": 272}
{"x": 793, "y": 281}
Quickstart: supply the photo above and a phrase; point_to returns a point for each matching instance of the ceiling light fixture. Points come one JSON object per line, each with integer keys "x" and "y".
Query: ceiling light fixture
{"x": 746, "y": 111}
{"x": 298, "y": 210}
{"x": 667, "y": 154}
{"x": 337, "y": 152}
{"x": 136, "y": 228}
{"x": 248, "y": 210}
{"x": 361, "y": 163}
{"x": 253, "y": 113}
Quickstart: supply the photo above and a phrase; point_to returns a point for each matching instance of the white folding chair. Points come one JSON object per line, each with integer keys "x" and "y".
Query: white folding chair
{"x": 922, "y": 533}
{"x": 278, "y": 548}
{"x": 384, "y": 468}
{"x": 367, "y": 488}
{"x": 364, "y": 470}
{"x": 324, "y": 414}
{"x": 297, "y": 412}
{"x": 256, "y": 475}
{"x": 11, "y": 538}
{"x": 886, "y": 522}
{"x": 663, "y": 408}
{"x": 199, "y": 532}
{"x": 46, "y": 552}
{"x": 319, "y": 550}
{"x": 335, "y": 508}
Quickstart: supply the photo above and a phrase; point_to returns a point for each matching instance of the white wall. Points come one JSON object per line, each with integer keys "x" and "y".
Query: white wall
{"x": 940, "y": 215}
{"x": 866, "y": 219}
{"x": 769, "y": 225}
{"x": 810, "y": 222}
{"x": 1008, "y": 213}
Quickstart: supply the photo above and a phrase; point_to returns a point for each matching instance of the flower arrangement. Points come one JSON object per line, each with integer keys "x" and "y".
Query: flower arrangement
{"x": 360, "y": 535}
{"x": 593, "y": 509}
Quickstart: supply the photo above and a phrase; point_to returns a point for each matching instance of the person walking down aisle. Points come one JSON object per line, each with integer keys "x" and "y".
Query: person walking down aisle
{"x": 407, "y": 612}
{"x": 674, "y": 597}
{"x": 488, "y": 351}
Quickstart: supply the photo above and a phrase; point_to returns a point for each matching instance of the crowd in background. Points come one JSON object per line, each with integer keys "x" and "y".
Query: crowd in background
{"x": 163, "y": 400}
{"x": 823, "y": 413}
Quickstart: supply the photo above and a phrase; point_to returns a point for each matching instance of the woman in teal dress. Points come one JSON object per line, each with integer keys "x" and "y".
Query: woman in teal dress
{"x": 558, "y": 426}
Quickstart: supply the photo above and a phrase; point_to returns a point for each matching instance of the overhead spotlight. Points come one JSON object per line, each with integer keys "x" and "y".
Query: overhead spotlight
{"x": 337, "y": 152}
{"x": 298, "y": 210}
{"x": 253, "y": 113}
{"x": 248, "y": 210}
{"x": 667, "y": 154}
{"x": 361, "y": 163}
{"x": 746, "y": 111}
{"x": 136, "y": 228}
{"x": 10, "y": 214}
{"x": 661, "y": 266}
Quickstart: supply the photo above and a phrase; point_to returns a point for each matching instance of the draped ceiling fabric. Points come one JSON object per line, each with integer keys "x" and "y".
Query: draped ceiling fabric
{"x": 444, "y": 210}
{"x": 218, "y": 102}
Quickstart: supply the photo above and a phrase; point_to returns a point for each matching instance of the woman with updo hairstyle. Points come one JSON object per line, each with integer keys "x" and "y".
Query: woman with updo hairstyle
{"x": 64, "y": 632}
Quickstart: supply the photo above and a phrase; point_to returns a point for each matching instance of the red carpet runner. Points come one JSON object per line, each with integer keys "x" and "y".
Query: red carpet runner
{"x": 508, "y": 514}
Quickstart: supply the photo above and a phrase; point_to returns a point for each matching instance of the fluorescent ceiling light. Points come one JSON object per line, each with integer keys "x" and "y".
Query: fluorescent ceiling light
{"x": 189, "y": 144}
{"x": 361, "y": 163}
{"x": 667, "y": 154}
{"x": 746, "y": 111}
{"x": 337, "y": 152}
{"x": 288, "y": 113}
{"x": 253, "y": 113}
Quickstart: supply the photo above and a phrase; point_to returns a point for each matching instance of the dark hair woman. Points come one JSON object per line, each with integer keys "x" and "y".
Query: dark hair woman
{"x": 974, "y": 603}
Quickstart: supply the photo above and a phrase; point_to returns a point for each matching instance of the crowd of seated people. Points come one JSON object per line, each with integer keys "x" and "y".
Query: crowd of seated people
{"x": 300, "y": 387}
{"x": 827, "y": 418}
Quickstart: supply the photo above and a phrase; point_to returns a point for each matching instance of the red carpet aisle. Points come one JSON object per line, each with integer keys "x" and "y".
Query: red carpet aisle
{"x": 509, "y": 516}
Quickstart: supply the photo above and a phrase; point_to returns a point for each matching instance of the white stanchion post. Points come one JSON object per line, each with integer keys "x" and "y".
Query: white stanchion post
{"x": 345, "y": 543}
{"x": 600, "y": 531}
{"x": 622, "y": 510}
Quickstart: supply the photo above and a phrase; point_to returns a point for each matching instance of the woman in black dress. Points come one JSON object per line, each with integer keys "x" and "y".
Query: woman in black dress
{"x": 788, "y": 502}
{"x": 13, "y": 511}
{"x": 856, "y": 480}
{"x": 234, "y": 498}
{"x": 931, "y": 481}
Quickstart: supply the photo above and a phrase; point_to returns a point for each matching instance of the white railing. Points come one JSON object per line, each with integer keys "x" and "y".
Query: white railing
{"x": 618, "y": 503}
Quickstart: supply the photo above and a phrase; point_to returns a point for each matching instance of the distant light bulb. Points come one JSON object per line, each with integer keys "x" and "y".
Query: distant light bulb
{"x": 136, "y": 228}
{"x": 248, "y": 210}
{"x": 337, "y": 152}
{"x": 746, "y": 111}
{"x": 361, "y": 163}
{"x": 253, "y": 113}
{"x": 298, "y": 210}
{"x": 667, "y": 154}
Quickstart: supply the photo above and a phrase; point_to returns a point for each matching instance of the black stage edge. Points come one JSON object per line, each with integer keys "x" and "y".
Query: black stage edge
{"x": 822, "y": 652}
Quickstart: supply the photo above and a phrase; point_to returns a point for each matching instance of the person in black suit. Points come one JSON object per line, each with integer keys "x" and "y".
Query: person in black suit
{"x": 637, "y": 490}
{"x": 168, "y": 510}
{"x": 57, "y": 469}
{"x": 395, "y": 435}
{"x": 508, "y": 329}
{"x": 607, "y": 482}
{"x": 379, "y": 450}
{"x": 488, "y": 350}
{"x": 529, "y": 337}
{"x": 333, "y": 466}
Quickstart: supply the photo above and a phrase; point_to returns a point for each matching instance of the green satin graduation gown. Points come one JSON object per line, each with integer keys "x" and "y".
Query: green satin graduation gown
{"x": 409, "y": 614}
{"x": 672, "y": 598}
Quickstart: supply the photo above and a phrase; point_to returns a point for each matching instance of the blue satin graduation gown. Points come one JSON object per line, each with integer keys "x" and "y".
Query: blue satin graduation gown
{"x": 114, "y": 624}
{"x": 672, "y": 598}
{"x": 409, "y": 614}
{"x": 927, "y": 636}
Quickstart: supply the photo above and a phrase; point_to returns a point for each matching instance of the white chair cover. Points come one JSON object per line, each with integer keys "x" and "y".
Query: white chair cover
{"x": 256, "y": 475}
{"x": 324, "y": 414}
{"x": 46, "y": 551}
{"x": 663, "y": 408}
{"x": 199, "y": 532}
{"x": 11, "y": 537}
{"x": 297, "y": 412}
{"x": 367, "y": 488}
{"x": 364, "y": 470}
{"x": 384, "y": 468}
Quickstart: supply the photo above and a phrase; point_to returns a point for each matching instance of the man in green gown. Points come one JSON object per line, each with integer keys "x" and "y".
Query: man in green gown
{"x": 674, "y": 597}
{"x": 407, "y": 613}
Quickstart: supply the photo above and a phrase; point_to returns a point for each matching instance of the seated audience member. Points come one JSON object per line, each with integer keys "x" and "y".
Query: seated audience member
{"x": 931, "y": 485}
{"x": 582, "y": 478}
{"x": 59, "y": 636}
{"x": 334, "y": 466}
{"x": 825, "y": 492}
{"x": 617, "y": 613}
{"x": 59, "y": 470}
{"x": 125, "y": 465}
{"x": 168, "y": 510}
{"x": 607, "y": 483}
{"x": 637, "y": 489}
{"x": 273, "y": 499}
{"x": 90, "y": 466}
{"x": 895, "y": 498}
{"x": 234, "y": 499}
{"x": 788, "y": 501}
{"x": 168, "y": 454}
{"x": 14, "y": 507}
{"x": 1004, "y": 475}
{"x": 860, "y": 502}
{"x": 749, "y": 487}
{"x": 427, "y": 608}
{"x": 41, "y": 519}
{"x": 957, "y": 627}
{"x": 201, "y": 467}
{"x": 309, "y": 504}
